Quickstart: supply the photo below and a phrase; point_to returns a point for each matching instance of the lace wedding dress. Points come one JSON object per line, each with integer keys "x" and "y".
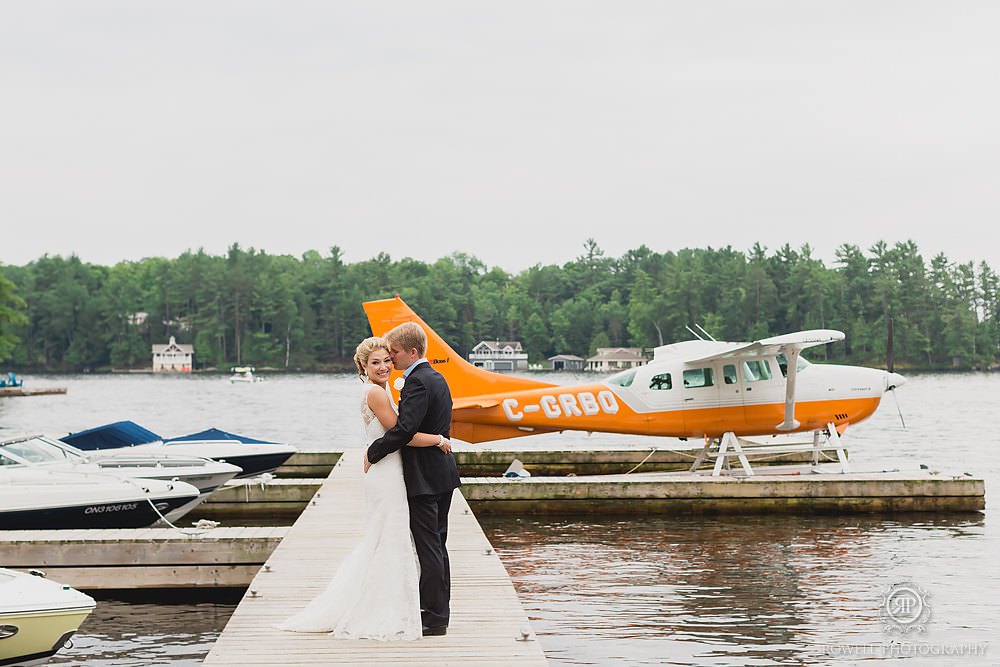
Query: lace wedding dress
{"x": 375, "y": 591}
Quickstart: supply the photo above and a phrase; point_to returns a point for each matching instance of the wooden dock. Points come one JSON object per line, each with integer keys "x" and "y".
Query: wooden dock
{"x": 276, "y": 499}
{"x": 140, "y": 558}
{"x": 488, "y": 628}
{"x": 33, "y": 391}
{"x": 798, "y": 490}
{"x": 549, "y": 462}
{"x": 795, "y": 490}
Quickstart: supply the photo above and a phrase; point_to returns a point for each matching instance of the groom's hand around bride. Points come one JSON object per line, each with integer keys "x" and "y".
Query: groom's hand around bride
{"x": 368, "y": 464}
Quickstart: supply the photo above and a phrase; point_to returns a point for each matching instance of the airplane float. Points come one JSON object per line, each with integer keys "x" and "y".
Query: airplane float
{"x": 701, "y": 388}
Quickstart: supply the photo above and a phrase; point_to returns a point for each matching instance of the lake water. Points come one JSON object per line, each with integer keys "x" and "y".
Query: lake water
{"x": 763, "y": 590}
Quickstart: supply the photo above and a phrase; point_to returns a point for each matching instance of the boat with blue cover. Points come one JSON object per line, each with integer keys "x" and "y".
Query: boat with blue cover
{"x": 255, "y": 456}
{"x": 52, "y": 454}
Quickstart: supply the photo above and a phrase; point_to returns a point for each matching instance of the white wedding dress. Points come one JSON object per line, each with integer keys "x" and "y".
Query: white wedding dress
{"x": 375, "y": 591}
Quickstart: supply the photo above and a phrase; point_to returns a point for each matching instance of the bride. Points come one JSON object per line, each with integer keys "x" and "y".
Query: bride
{"x": 374, "y": 593}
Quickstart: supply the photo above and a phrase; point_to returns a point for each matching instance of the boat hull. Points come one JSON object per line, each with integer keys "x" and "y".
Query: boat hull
{"x": 136, "y": 513}
{"x": 257, "y": 464}
{"x": 38, "y": 635}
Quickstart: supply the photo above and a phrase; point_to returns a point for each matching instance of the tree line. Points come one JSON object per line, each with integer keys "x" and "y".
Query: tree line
{"x": 250, "y": 307}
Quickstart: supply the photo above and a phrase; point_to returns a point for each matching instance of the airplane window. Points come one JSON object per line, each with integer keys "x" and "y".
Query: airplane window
{"x": 661, "y": 381}
{"x": 756, "y": 370}
{"x": 623, "y": 379}
{"x": 699, "y": 377}
{"x": 729, "y": 374}
{"x": 801, "y": 365}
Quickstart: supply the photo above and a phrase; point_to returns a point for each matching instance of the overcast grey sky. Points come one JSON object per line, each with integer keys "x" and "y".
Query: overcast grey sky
{"x": 510, "y": 130}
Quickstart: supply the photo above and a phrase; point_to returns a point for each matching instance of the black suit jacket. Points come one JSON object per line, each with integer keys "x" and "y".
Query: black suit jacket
{"x": 424, "y": 407}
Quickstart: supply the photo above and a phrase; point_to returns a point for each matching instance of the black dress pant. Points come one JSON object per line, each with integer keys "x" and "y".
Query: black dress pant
{"x": 429, "y": 525}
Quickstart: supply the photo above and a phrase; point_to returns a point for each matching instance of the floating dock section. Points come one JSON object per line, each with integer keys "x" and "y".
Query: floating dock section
{"x": 34, "y": 391}
{"x": 553, "y": 462}
{"x": 667, "y": 493}
{"x": 796, "y": 490}
{"x": 489, "y": 628}
{"x": 142, "y": 558}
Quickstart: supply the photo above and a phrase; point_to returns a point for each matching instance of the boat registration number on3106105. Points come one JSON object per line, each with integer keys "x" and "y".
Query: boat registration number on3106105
{"x": 104, "y": 509}
{"x": 552, "y": 406}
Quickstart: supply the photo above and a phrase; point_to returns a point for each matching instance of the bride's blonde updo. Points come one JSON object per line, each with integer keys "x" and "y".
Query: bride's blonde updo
{"x": 364, "y": 350}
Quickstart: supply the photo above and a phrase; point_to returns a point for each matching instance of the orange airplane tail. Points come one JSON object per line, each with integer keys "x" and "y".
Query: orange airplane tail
{"x": 464, "y": 379}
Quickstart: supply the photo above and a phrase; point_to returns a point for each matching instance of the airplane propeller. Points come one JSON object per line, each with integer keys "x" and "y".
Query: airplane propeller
{"x": 893, "y": 379}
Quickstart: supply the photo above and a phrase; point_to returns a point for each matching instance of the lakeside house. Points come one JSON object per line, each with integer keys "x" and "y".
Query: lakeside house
{"x": 499, "y": 355}
{"x": 173, "y": 357}
{"x": 610, "y": 359}
{"x": 566, "y": 362}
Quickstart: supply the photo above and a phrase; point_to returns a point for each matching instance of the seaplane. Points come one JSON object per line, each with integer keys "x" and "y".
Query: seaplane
{"x": 718, "y": 391}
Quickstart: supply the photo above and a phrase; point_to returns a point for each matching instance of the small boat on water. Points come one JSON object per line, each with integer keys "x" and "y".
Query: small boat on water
{"x": 243, "y": 374}
{"x": 38, "y": 450}
{"x": 254, "y": 456}
{"x": 11, "y": 380}
{"x": 37, "y": 498}
{"x": 37, "y": 617}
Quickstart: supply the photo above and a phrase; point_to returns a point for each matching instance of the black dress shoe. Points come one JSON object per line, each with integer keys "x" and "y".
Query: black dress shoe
{"x": 436, "y": 632}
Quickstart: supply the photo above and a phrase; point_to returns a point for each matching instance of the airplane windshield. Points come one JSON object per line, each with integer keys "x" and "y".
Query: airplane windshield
{"x": 800, "y": 365}
{"x": 623, "y": 379}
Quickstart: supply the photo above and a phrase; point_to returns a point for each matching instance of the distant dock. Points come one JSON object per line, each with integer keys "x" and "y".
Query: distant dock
{"x": 31, "y": 391}
{"x": 489, "y": 628}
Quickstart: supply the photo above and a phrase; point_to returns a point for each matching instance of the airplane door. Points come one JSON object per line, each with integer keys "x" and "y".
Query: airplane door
{"x": 700, "y": 395}
{"x": 763, "y": 393}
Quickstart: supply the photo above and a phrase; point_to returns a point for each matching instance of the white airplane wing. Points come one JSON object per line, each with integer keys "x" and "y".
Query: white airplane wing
{"x": 768, "y": 347}
{"x": 788, "y": 344}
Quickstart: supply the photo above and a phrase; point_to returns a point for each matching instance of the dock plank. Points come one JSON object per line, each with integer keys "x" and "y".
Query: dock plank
{"x": 488, "y": 622}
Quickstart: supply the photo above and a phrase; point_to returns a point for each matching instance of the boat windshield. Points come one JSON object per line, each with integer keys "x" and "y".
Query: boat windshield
{"x": 800, "y": 365}
{"x": 38, "y": 450}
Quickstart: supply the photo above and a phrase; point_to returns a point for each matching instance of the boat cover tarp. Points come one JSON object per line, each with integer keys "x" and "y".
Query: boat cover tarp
{"x": 111, "y": 436}
{"x": 219, "y": 434}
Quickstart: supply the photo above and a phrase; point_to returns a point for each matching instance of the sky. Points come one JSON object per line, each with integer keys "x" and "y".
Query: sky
{"x": 511, "y": 131}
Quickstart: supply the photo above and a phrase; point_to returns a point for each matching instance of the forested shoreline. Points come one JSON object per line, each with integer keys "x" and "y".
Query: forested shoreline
{"x": 250, "y": 307}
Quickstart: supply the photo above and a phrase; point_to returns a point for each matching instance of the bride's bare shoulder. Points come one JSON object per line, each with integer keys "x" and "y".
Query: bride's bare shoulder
{"x": 377, "y": 397}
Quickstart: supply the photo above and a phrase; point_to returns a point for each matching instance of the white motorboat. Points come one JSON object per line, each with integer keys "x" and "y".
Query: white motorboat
{"x": 37, "y": 617}
{"x": 243, "y": 374}
{"x": 35, "y": 497}
{"x": 252, "y": 455}
{"x": 39, "y": 450}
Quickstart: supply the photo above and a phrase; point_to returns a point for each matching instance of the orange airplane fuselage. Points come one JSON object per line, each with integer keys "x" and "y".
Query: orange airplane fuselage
{"x": 670, "y": 396}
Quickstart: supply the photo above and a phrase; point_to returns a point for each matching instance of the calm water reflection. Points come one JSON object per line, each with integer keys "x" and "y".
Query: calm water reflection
{"x": 767, "y": 590}
{"x": 129, "y": 634}
{"x": 726, "y": 591}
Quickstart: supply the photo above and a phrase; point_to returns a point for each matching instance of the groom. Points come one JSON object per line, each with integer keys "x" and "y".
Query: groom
{"x": 430, "y": 474}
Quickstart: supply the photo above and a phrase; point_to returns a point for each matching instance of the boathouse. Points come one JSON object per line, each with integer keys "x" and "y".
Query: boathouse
{"x": 499, "y": 355}
{"x": 610, "y": 359}
{"x": 173, "y": 357}
{"x": 566, "y": 362}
